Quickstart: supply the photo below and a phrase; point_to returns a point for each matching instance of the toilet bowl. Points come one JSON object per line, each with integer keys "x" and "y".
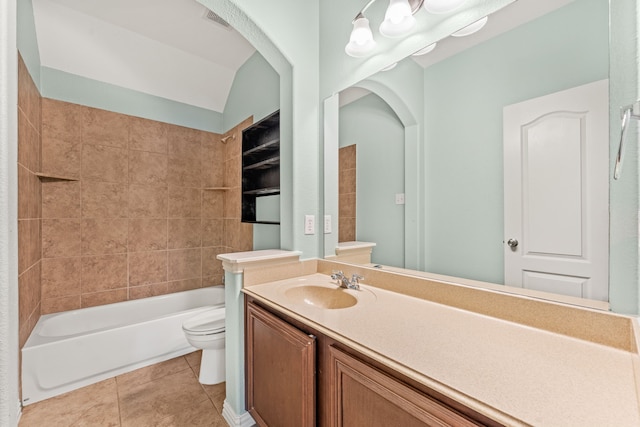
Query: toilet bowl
{"x": 206, "y": 331}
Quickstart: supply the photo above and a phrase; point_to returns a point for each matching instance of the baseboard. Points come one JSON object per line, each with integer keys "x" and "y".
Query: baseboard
{"x": 235, "y": 420}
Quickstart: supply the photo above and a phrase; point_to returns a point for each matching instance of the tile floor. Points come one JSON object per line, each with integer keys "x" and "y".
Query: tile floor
{"x": 165, "y": 394}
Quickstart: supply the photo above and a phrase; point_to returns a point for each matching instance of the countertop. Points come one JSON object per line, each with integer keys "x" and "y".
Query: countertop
{"x": 512, "y": 373}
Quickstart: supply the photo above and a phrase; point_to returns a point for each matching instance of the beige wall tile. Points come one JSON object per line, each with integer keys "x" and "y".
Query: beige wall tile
{"x": 105, "y": 164}
{"x": 29, "y": 293}
{"x": 102, "y": 273}
{"x": 213, "y": 204}
{"x": 56, "y": 305}
{"x": 147, "y": 168}
{"x": 212, "y": 231}
{"x": 61, "y": 157}
{"x": 233, "y": 172}
{"x": 347, "y": 181}
{"x": 145, "y": 291}
{"x": 184, "y": 285}
{"x": 61, "y": 277}
{"x": 347, "y": 230}
{"x": 184, "y": 142}
{"x": 212, "y": 170}
{"x": 29, "y": 190}
{"x": 61, "y": 238}
{"x": 184, "y": 172}
{"x": 104, "y": 200}
{"x": 103, "y": 298}
{"x": 232, "y": 204}
{"x": 184, "y": 264}
{"x": 101, "y": 127}
{"x": 147, "y": 234}
{"x": 347, "y": 205}
{"x": 29, "y": 101}
{"x": 212, "y": 267}
{"x": 185, "y": 202}
{"x": 104, "y": 236}
{"x": 147, "y": 267}
{"x": 184, "y": 233}
{"x": 147, "y": 202}
{"x": 61, "y": 199}
{"x": 147, "y": 135}
{"x": 61, "y": 120}
{"x": 28, "y": 143}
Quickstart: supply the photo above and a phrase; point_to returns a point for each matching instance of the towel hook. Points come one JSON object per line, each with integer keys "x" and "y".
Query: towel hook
{"x": 627, "y": 113}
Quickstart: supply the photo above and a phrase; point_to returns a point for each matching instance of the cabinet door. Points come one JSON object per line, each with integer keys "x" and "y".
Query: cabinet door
{"x": 280, "y": 371}
{"x": 364, "y": 396}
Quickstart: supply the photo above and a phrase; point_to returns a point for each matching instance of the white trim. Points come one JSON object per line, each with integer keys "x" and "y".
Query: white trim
{"x": 9, "y": 411}
{"x": 243, "y": 420}
{"x": 236, "y": 262}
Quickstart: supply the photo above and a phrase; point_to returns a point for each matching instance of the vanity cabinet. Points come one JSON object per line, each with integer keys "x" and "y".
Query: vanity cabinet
{"x": 348, "y": 389}
{"x": 260, "y": 166}
{"x": 364, "y": 396}
{"x": 280, "y": 371}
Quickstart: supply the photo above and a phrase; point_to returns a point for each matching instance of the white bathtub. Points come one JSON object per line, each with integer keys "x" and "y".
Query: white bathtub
{"x": 76, "y": 348}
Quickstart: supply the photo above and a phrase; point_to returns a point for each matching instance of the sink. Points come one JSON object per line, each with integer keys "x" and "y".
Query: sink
{"x": 321, "y": 296}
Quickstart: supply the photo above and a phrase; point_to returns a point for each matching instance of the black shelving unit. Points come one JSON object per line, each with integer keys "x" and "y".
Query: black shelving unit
{"x": 260, "y": 165}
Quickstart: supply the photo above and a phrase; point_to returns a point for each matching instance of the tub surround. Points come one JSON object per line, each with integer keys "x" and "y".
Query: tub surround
{"x": 512, "y": 358}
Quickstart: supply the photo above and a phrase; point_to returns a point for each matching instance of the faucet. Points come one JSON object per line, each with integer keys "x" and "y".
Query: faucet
{"x": 346, "y": 283}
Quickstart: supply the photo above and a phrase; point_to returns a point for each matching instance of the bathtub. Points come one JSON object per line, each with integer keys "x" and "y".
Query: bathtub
{"x": 76, "y": 348}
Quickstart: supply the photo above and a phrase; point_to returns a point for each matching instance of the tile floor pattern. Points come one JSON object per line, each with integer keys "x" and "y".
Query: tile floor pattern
{"x": 166, "y": 394}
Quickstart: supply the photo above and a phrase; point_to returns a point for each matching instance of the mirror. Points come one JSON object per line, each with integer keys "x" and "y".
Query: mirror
{"x": 449, "y": 107}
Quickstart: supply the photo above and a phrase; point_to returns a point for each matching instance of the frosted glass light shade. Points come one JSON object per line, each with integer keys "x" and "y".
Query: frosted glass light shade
{"x": 471, "y": 28}
{"x": 442, "y": 6}
{"x": 398, "y": 19}
{"x": 361, "y": 40}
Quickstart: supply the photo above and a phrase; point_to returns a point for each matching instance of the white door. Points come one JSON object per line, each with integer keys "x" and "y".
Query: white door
{"x": 556, "y": 163}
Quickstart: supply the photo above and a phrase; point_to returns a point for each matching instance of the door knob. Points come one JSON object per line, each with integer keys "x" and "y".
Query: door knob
{"x": 513, "y": 243}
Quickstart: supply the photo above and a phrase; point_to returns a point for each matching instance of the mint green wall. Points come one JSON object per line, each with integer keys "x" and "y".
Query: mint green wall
{"x": 378, "y": 134}
{"x": 68, "y": 87}
{"x": 464, "y": 98}
{"x": 27, "y": 40}
{"x": 255, "y": 92}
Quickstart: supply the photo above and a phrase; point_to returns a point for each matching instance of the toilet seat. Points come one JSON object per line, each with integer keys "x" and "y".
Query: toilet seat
{"x": 209, "y": 322}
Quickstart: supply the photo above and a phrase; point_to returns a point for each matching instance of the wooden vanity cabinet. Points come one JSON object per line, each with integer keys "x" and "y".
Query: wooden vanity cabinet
{"x": 350, "y": 389}
{"x": 280, "y": 371}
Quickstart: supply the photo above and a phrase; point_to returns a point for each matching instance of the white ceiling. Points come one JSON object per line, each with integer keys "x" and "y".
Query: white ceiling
{"x": 159, "y": 47}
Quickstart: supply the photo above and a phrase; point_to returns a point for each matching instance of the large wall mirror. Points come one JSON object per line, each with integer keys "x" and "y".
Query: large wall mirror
{"x": 425, "y": 172}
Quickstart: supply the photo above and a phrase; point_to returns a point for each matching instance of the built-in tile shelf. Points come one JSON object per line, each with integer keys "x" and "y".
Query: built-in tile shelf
{"x": 217, "y": 188}
{"x": 52, "y": 177}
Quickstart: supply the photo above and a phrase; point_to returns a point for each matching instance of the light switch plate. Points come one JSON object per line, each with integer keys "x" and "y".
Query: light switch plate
{"x": 309, "y": 224}
{"x": 327, "y": 224}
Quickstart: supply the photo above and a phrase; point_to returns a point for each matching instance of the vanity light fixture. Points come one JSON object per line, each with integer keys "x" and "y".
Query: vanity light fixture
{"x": 471, "y": 28}
{"x": 398, "y": 21}
{"x": 390, "y": 67}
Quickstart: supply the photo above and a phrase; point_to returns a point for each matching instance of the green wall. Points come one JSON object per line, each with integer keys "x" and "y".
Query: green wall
{"x": 464, "y": 98}
{"x": 378, "y": 133}
{"x": 27, "y": 40}
{"x": 68, "y": 87}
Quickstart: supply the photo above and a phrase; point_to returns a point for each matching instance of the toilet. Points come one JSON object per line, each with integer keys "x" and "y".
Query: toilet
{"x": 206, "y": 331}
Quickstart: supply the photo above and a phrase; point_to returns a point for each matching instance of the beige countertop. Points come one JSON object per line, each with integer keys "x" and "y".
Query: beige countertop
{"x": 513, "y": 373}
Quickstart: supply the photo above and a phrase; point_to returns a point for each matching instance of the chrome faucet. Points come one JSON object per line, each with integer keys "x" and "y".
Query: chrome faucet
{"x": 344, "y": 282}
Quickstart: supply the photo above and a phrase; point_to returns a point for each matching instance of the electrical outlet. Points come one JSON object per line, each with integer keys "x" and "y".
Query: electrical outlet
{"x": 327, "y": 224}
{"x": 400, "y": 199}
{"x": 309, "y": 224}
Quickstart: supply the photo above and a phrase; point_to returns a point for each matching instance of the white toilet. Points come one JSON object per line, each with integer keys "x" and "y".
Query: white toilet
{"x": 206, "y": 331}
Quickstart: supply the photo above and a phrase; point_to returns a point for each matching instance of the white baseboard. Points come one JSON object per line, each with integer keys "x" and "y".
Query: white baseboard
{"x": 235, "y": 420}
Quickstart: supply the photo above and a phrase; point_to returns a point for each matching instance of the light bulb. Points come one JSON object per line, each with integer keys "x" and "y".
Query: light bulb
{"x": 398, "y": 19}
{"x": 361, "y": 40}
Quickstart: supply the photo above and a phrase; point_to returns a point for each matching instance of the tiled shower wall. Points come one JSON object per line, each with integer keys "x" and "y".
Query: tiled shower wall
{"x": 347, "y": 194}
{"x": 134, "y": 208}
{"x": 29, "y": 203}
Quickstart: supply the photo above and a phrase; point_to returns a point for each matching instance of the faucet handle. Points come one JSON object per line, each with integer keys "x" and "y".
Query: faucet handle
{"x": 355, "y": 278}
{"x": 337, "y": 274}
